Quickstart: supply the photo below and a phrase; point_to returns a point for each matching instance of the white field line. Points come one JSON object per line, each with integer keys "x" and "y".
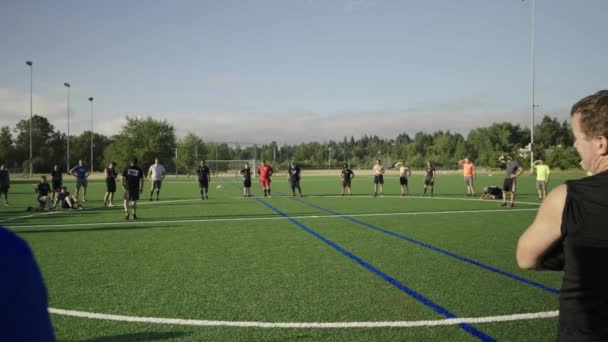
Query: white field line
{"x": 146, "y": 203}
{"x": 410, "y": 197}
{"x": 98, "y": 224}
{"x": 29, "y": 216}
{"x": 306, "y": 325}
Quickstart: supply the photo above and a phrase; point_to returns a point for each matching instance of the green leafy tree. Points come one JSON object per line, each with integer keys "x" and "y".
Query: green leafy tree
{"x": 144, "y": 139}
{"x": 7, "y": 149}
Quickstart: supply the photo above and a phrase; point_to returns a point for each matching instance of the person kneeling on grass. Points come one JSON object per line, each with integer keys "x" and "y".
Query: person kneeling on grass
{"x": 42, "y": 190}
{"x": 66, "y": 201}
{"x": 491, "y": 192}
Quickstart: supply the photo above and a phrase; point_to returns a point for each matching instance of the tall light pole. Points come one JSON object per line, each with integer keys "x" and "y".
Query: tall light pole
{"x": 67, "y": 156}
{"x": 329, "y": 157}
{"x": 92, "y": 163}
{"x": 533, "y": 105}
{"x": 31, "y": 65}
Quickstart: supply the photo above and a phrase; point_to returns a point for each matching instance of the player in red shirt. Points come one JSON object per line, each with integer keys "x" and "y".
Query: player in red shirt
{"x": 265, "y": 171}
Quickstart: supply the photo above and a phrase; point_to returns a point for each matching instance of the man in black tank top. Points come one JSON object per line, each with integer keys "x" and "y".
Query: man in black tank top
{"x": 570, "y": 231}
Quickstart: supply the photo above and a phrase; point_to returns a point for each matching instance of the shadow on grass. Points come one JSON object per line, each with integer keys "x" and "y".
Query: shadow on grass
{"x": 142, "y": 336}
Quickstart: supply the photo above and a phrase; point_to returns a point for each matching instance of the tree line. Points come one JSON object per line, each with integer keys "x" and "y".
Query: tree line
{"x": 147, "y": 138}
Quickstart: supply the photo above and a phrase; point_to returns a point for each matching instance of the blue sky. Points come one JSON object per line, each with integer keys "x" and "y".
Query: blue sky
{"x": 292, "y": 71}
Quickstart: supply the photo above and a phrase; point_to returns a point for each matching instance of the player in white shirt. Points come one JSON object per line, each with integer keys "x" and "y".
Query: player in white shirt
{"x": 156, "y": 174}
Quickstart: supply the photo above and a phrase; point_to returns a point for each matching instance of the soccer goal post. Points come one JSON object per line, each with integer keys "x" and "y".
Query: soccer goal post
{"x": 231, "y": 168}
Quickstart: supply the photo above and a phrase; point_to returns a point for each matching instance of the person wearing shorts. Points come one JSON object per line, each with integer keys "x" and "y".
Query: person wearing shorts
{"x": 56, "y": 179}
{"x": 265, "y": 171}
{"x": 378, "y": 178}
{"x": 110, "y": 176}
{"x": 429, "y": 177}
{"x": 293, "y": 175}
{"x": 156, "y": 174}
{"x": 81, "y": 172}
{"x": 542, "y": 171}
{"x": 65, "y": 201}
{"x": 404, "y": 173}
{"x": 132, "y": 185}
{"x": 246, "y": 173}
{"x": 347, "y": 176}
{"x": 468, "y": 169}
{"x": 513, "y": 170}
{"x": 203, "y": 177}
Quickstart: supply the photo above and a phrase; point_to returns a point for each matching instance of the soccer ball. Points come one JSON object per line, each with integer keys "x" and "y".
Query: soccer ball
{"x": 219, "y": 186}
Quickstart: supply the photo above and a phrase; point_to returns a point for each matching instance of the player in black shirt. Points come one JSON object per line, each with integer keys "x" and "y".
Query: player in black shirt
{"x": 65, "y": 200}
{"x": 347, "y": 175}
{"x": 429, "y": 177}
{"x": 293, "y": 175}
{"x": 5, "y": 182}
{"x": 203, "y": 176}
{"x": 132, "y": 185}
{"x": 491, "y": 192}
{"x": 42, "y": 190}
{"x": 246, "y": 173}
{"x": 56, "y": 179}
{"x": 110, "y": 174}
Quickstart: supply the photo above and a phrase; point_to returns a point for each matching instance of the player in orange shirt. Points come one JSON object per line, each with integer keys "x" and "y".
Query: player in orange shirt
{"x": 265, "y": 171}
{"x": 469, "y": 175}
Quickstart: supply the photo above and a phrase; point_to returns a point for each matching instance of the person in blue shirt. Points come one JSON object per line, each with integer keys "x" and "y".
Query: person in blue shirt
{"x": 24, "y": 314}
{"x": 81, "y": 172}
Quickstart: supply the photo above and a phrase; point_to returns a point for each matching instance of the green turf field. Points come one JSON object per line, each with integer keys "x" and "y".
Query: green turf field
{"x": 282, "y": 269}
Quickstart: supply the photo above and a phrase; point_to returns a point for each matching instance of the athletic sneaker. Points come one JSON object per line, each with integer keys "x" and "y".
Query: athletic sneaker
{"x": 127, "y": 216}
{"x": 503, "y": 204}
{"x": 511, "y": 205}
{"x": 134, "y": 217}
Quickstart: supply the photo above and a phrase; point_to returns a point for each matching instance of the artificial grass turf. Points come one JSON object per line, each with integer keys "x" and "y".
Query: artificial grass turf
{"x": 247, "y": 268}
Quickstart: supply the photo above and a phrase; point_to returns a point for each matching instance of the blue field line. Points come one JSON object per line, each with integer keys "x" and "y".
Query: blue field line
{"x": 427, "y": 302}
{"x": 436, "y": 249}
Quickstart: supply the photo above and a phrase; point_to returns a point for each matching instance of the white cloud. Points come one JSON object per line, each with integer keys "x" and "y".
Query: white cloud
{"x": 239, "y": 123}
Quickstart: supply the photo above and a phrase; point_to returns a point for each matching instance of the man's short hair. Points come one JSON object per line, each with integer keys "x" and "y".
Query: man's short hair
{"x": 344, "y": 166}
{"x": 593, "y": 111}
